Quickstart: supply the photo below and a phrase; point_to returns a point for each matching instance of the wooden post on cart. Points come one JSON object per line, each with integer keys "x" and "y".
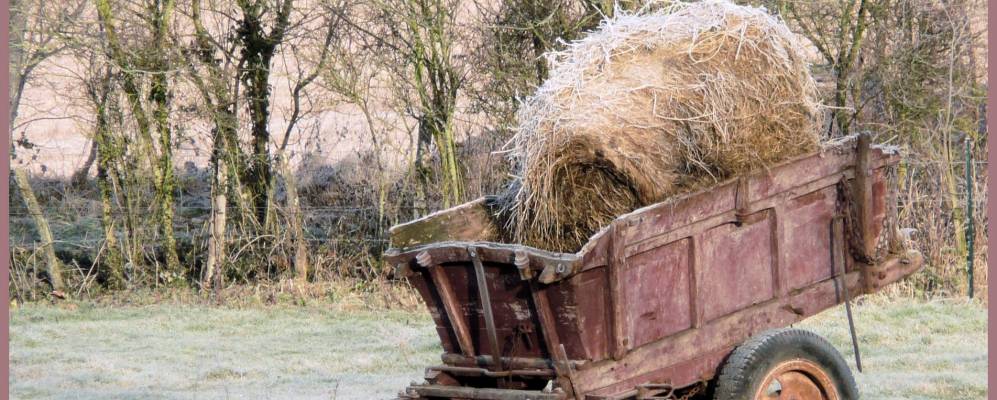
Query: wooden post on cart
{"x": 862, "y": 190}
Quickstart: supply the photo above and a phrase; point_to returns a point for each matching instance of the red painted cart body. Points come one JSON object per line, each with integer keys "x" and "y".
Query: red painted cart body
{"x": 663, "y": 294}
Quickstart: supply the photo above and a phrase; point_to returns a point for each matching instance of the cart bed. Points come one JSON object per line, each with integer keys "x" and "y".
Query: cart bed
{"x": 661, "y": 295}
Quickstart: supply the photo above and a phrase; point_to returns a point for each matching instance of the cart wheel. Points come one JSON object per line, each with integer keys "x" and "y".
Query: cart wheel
{"x": 787, "y": 364}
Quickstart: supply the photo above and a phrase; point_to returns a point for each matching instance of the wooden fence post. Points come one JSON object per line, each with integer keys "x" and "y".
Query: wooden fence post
{"x": 970, "y": 231}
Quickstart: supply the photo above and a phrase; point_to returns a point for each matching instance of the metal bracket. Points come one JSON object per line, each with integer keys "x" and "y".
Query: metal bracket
{"x": 522, "y": 262}
{"x": 655, "y": 391}
{"x": 424, "y": 259}
{"x": 741, "y": 201}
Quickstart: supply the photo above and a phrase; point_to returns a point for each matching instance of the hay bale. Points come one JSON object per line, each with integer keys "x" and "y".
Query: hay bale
{"x": 652, "y": 104}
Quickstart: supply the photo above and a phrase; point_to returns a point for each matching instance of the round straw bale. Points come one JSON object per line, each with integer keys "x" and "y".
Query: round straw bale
{"x": 652, "y": 104}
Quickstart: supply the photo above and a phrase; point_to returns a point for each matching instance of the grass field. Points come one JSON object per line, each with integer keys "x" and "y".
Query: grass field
{"x": 911, "y": 350}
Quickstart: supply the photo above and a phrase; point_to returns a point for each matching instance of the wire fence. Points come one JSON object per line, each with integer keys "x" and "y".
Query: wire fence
{"x": 77, "y": 222}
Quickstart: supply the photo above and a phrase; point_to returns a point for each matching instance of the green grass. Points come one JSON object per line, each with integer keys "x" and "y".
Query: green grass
{"x": 910, "y": 349}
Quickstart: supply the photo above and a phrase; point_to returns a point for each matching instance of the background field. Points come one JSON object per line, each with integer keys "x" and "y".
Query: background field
{"x": 911, "y": 350}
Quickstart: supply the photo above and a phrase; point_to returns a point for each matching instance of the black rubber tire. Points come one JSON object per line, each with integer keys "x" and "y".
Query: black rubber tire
{"x": 752, "y": 360}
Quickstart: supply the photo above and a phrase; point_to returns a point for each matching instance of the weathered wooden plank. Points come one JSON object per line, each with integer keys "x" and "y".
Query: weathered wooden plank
{"x": 463, "y": 392}
{"x": 779, "y": 250}
{"x": 805, "y": 243}
{"x": 548, "y": 324}
{"x": 695, "y": 269}
{"x": 477, "y": 371}
{"x": 467, "y": 222}
{"x": 511, "y": 362}
{"x": 786, "y": 177}
{"x": 736, "y": 268}
{"x": 552, "y": 342}
{"x": 582, "y": 302}
{"x": 892, "y": 270}
{"x": 453, "y": 309}
{"x": 486, "y": 305}
{"x": 504, "y": 254}
{"x": 619, "y": 341}
{"x": 657, "y": 294}
{"x": 862, "y": 190}
{"x": 688, "y": 372}
{"x": 677, "y": 212}
{"x": 729, "y": 215}
{"x": 680, "y": 233}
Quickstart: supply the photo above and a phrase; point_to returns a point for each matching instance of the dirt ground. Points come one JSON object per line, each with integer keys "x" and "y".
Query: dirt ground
{"x": 911, "y": 350}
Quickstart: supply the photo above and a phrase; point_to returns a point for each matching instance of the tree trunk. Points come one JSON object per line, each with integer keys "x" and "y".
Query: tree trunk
{"x": 214, "y": 267}
{"x": 80, "y": 176}
{"x": 54, "y": 267}
{"x": 258, "y": 48}
{"x": 167, "y": 180}
{"x": 297, "y": 224}
{"x": 105, "y": 151}
{"x": 113, "y": 267}
{"x": 18, "y": 22}
{"x": 259, "y": 173}
{"x": 159, "y": 93}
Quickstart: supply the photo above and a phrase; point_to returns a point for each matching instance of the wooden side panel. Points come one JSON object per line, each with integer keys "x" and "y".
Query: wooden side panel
{"x": 736, "y": 270}
{"x": 656, "y": 300}
{"x": 664, "y": 218}
{"x": 424, "y": 285}
{"x": 807, "y": 224}
{"x": 581, "y": 309}
{"x": 511, "y": 305}
{"x": 787, "y": 176}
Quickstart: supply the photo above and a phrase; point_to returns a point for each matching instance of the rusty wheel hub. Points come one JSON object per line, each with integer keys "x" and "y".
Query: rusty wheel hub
{"x": 797, "y": 380}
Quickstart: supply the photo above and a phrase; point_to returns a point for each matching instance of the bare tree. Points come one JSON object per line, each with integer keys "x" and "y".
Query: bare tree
{"x": 258, "y": 44}
{"x": 418, "y": 40}
{"x": 303, "y": 80}
{"x": 102, "y": 96}
{"x": 905, "y": 70}
{"x": 836, "y": 29}
{"x": 36, "y": 28}
{"x": 150, "y": 118}
{"x": 210, "y": 75}
{"x": 53, "y": 265}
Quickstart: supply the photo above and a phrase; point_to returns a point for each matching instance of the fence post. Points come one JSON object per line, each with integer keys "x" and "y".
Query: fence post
{"x": 969, "y": 215}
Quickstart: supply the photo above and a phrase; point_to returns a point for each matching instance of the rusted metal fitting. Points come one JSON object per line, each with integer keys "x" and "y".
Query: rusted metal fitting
{"x": 522, "y": 261}
{"x": 424, "y": 259}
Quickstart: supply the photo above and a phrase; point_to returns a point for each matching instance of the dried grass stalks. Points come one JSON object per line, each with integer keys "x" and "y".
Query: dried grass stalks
{"x": 652, "y": 104}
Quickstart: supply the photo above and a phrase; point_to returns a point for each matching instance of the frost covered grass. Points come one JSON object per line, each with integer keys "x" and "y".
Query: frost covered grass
{"x": 171, "y": 352}
{"x": 911, "y": 350}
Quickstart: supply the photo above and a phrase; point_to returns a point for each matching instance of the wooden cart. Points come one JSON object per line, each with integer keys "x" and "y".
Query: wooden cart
{"x": 655, "y": 303}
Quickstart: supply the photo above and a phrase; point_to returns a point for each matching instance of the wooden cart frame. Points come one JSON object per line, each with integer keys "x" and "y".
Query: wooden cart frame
{"x": 662, "y": 295}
